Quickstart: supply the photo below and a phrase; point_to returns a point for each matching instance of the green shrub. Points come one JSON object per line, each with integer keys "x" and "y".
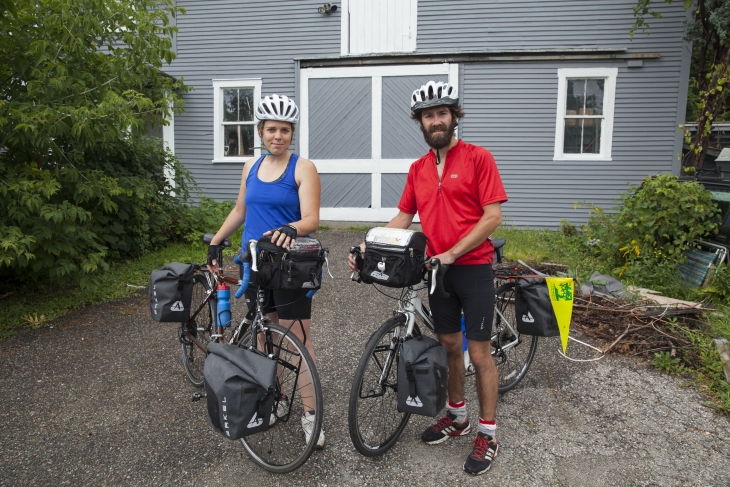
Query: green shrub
{"x": 643, "y": 240}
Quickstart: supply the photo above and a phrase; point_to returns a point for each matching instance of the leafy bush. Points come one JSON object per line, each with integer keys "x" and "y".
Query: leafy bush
{"x": 645, "y": 238}
{"x": 80, "y": 183}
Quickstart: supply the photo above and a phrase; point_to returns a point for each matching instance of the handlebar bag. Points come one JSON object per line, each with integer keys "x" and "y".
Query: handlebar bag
{"x": 240, "y": 388}
{"x": 533, "y": 309}
{"x": 393, "y": 257}
{"x": 422, "y": 376}
{"x": 299, "y": 267}
{"x": 171, "y": 292}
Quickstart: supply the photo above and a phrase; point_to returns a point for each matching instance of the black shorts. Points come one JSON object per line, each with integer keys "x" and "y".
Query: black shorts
{"x": 472, "y": 289}
{"x": 290, "y": 305}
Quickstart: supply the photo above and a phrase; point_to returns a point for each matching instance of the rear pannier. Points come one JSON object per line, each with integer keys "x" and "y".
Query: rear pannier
{"x": 170, "y": 293}
{"x": 393, "y": 257}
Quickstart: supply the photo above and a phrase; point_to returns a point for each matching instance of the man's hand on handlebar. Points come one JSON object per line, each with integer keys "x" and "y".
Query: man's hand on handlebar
{"x": 351, "y": 263}
{"x": 443, "y": 259}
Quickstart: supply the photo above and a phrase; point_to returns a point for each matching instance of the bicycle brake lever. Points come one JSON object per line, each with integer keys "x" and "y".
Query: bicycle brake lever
{"x": 434, "y": 271}
{"x": 252, "y": 249}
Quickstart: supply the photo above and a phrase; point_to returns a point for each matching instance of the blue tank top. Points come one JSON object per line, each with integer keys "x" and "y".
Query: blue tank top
{"x": 270, "y": 204}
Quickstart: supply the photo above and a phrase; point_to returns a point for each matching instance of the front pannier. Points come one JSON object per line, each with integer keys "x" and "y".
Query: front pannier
{"x": 239, "y": 387}
{"x": 393, "y": 257}
{"x": 422, "y": 376}
{"x": 170, "y": 292}
{"x": 533, "y": 309}
{"x": 297, "y": 268}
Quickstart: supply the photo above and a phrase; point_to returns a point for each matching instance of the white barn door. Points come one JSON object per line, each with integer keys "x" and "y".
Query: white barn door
{"x": 355, "y": 126}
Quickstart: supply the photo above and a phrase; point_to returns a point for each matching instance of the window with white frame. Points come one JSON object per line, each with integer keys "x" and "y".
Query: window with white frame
{"x": 584, "y": 125}
{"x": 234, "y": 104}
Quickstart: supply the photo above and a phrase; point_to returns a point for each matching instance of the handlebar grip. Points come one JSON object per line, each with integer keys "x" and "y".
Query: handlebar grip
{"x": 245, "y": 280}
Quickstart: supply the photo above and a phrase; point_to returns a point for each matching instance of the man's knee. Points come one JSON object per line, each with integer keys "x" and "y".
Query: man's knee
{"x": 480, "y": 354}
{"x": 452, "y": 342}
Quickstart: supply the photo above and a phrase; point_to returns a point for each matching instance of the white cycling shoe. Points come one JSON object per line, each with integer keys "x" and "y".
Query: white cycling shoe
{"x": 308, "y": 425}
{"x": 281, "y": 409}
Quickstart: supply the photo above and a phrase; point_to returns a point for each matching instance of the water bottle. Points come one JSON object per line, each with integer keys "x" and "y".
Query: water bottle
{"x": 463, "y": 334}
{"x": 224, "y": 304}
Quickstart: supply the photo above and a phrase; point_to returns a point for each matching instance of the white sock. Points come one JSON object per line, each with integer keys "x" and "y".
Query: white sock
{"x": 458, "y": 409}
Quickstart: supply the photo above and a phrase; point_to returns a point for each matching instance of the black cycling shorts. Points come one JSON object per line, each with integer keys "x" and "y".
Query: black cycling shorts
{"x": 472, "y": 290}
{"x": 290, "y": 305}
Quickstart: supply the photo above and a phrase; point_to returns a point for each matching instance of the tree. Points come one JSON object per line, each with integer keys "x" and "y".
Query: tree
{"x": 707, "y": 29}
{"x": 80, "y": 183}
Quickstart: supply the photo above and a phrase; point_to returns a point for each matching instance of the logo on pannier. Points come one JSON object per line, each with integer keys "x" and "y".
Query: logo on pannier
{"x": 379, "y": 275}
{"x": 178, "y": 306}
{"x": 255, "y": 422}
{"x": 528, "y": 318}
{"x": 414, "y": 402}
{"x": 381, "y": 266}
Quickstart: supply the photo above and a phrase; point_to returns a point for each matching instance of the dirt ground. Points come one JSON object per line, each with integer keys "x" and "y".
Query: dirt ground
{"x": 101, "y": 398}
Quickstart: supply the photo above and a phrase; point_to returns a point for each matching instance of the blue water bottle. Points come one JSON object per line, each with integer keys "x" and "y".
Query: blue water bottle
{"x": 224, "y": 304}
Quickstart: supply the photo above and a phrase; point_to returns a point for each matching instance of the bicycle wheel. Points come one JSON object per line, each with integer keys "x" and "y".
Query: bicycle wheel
{"x": 284, "y": 446}
{"x": 512, "y": 352}
{"x": 200, "y": 328}
{"x": 373, "y": 418}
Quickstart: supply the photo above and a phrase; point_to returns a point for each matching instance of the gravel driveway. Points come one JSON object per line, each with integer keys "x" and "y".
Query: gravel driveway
{"x": 101, "y": 398}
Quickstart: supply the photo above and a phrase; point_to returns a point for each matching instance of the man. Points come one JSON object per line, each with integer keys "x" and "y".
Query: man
{"x": 457, "y": 192}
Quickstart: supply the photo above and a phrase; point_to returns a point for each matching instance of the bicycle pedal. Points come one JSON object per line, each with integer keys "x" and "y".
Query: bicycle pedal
{"x": 198, "y": 396}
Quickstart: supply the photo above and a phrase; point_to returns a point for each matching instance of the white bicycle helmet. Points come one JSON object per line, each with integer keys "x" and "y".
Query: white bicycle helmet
{"x": 433, "y": 94}
{"x": 275, "y": 107}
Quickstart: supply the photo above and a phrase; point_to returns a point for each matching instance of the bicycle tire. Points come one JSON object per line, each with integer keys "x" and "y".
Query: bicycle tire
{"x": 283, "y": 447}
{"x": 193, "y": 357}
{"x": 514, "y": 360}
{"x": 370, "y": 438}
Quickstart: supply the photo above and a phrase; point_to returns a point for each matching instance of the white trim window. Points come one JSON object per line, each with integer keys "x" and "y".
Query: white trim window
{"x": 234, "y": 103}
{"x": 584, "y": 124}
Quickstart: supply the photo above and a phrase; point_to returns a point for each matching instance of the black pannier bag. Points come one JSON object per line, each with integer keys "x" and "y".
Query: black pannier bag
{"x": 533, "y": 309}
{"x": 289, "y": 269}
{"x": 239, "y": 388}
{"x": 393, "y": 257}
{"x": 170, "y": 293}
{"x": 422, "y": 376}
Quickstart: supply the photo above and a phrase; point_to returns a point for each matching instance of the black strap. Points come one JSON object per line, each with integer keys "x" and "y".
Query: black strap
{"x": 261, "y": 403}
{"x": 411, "y": 380}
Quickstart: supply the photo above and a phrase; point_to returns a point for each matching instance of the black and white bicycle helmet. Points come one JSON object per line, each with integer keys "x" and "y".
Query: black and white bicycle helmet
{"x": 275, "y": 107}
{"x": 433, "y": 94}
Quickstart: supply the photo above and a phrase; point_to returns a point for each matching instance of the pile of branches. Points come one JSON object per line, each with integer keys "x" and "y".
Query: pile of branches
{"x": 637, "y": 327}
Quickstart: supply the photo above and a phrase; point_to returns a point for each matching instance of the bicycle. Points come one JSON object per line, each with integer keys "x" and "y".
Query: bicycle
{"x": 282, "y": 448}
{"x": 373, "y": 418}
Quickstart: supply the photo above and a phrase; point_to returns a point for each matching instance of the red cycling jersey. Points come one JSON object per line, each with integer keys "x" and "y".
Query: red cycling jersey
{"x": 450, "y": 208}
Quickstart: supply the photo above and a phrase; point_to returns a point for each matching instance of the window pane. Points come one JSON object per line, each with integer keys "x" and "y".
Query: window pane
{"x": 246, "y": 104}
{"x": 230, "y": 105}
{"x": 575, "y": 99}
{"x": 238, "y": 140}
{"x": 573, "y": 131}
{"x": 594, "y": 96}
{"x": 582, "y": 136}
{"x": 592, "y": 136}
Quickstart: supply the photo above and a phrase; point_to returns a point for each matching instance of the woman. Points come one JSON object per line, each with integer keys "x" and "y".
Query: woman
{"x": 279, "y": 196}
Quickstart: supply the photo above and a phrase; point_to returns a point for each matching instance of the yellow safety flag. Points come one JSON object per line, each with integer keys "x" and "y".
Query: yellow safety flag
{"x": 561, "y": 296}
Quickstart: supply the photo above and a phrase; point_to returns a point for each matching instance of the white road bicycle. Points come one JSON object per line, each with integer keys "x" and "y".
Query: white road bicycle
{"x": 374, "y": 421}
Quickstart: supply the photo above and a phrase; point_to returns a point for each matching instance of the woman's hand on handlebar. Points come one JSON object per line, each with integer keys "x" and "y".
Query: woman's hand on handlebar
{"x": 212, "y": 262}
{"x": 351, "y": 263}
{"x": 285, "y": 236}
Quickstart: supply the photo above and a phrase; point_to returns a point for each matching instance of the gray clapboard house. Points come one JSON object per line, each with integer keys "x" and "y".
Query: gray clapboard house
{"x": 571, "y": 108}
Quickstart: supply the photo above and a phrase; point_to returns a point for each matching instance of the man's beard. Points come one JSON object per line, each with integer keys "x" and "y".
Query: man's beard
{"x": 439, "y": 141}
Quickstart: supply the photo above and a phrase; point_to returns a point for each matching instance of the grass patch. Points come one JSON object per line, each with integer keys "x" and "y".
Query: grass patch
{"x": 34, "y": 305}
{"x": 324, "y": 227}
{"x": 359, "y": 229}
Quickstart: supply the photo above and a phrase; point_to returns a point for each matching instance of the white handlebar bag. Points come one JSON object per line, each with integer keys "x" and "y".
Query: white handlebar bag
{"x": 393, "y": 257}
